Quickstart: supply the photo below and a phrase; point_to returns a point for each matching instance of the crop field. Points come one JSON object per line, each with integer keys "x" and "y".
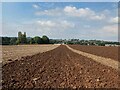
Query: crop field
{"x": 61, "y": 67}
{"x": 13, "y": 52}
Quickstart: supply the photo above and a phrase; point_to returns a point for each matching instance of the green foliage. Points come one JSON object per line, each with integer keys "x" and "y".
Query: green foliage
{"x": 17, "y": 42}
{"x": 5, "y": 40}
{"x": 13, "y": 41}
{"x": 70, "y": 42}
{"x": 91, "y": 43}
{"x": 32, "y": 41}
{"x": 45, "y": 40}
{"x": 52, "y": 41}
{"x": 101, "y": 44}
{"x": 22, "y": 39}
{"x": 37, "y": 40}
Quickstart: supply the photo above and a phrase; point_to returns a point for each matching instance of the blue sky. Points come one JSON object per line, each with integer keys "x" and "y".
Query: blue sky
{"x": 62, "y": 20}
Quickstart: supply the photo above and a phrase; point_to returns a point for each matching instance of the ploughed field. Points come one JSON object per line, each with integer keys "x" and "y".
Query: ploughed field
{"x": 13, "y": 52}
{"x": 104, "y": 51}
{"x": 58, "y": 68}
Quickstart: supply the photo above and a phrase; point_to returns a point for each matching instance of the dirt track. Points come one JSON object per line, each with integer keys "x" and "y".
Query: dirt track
{"x": 58, "y": 68}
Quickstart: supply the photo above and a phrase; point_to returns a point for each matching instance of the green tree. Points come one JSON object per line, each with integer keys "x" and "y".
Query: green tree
{"x": 70, "y": 42}
{"x": 101, "y": 44}
{"x": 45, "y": 39}
{"x": 37, "y": 40}
{"x": 5, "y": 40}
{"x": 13, "y": 41}
{"x": 32, "y": 41}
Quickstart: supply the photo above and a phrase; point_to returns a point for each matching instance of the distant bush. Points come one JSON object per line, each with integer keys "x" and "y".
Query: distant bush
{"x": 37, "y": 40}
{"x": 13, "y": 41}
{"x": 45, "y": 40}
{"x": 5, "y": 40}
{"x": 32, "y": 41}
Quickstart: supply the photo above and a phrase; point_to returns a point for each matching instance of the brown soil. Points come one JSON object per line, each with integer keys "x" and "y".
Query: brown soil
{"x": 58, "y": 68}
{"x": 108, "y": 52}
{"x": 105, "y": 61}
{"x": 13, "y": 52}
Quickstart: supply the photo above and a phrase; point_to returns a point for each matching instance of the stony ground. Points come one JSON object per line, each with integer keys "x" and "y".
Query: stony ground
{"x": 58, "y": 68}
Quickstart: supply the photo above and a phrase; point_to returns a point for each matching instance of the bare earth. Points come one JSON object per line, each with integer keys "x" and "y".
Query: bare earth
{"x": 13, "y": 52}
{"x": 107, "y": 52}
{"x": 58, "y": 68}
{"x": 105, "y": 61}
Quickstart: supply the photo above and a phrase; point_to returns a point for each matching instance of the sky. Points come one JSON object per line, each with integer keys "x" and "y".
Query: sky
{"x": 61, "y": 20}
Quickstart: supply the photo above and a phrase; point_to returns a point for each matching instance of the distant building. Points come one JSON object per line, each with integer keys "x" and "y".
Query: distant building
{"x": 20, "y": 34}
{"x": 111, "y": 45}
{"x": 21, "y": 38}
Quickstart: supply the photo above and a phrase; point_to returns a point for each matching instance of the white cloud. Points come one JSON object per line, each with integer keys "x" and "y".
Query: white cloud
{"x": 69, "y": 22}
{"x": 114, "y": 20}
{"x": 36, "y": 6}
{"x": 98, "y": 17}
{"x": 51, "y": 12}
{"x": 107, "y": 32}
{"x": 83, "y": 12}
{"x": 110, "y": 29}
{"x": 59, "y": 25}
{"x": 46, "y": 23}
{"x": 72, "y": 11}
{"x": 65, "y": 24}
{"x": 53, "y": 28}
{"x": 69, "y": 9}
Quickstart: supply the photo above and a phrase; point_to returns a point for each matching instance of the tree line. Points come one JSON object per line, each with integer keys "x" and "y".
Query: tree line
{"x": 22, "y": 39}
